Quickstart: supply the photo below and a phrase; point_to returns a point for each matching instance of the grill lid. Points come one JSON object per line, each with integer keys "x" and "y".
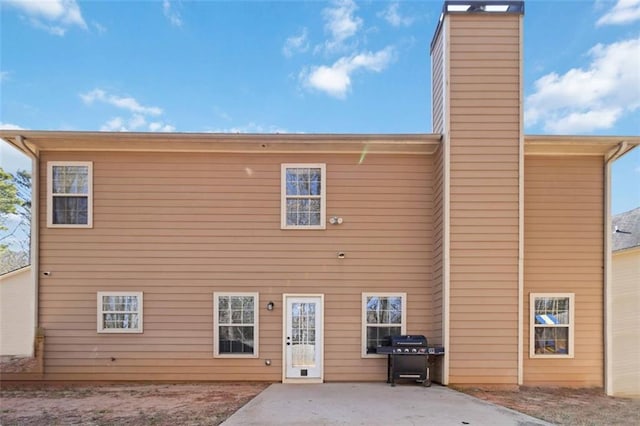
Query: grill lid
{"x": 405, "y": 340}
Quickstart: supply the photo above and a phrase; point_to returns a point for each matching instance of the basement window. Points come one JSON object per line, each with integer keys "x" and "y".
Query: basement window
{"x": 119, "y": 312}
{"x": 235, "y": 321}
{"x": 552, "y": 329}
{"x": 69, "y": 194}
{"x": 383, "y": 315}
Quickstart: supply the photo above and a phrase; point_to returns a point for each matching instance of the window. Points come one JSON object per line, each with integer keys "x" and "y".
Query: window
{"x": 551, "y": 325}
{"x": 119, "y": 312}
{"x": 303, "y": 196}
{"x": 236, "y": 324}
{"x": 69, "y": 194}
{"x": 383, "y": 315}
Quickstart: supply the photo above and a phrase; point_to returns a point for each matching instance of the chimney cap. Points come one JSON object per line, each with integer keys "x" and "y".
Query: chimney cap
{"x": 457, "y": 7}
{"x": 479, "y": 6}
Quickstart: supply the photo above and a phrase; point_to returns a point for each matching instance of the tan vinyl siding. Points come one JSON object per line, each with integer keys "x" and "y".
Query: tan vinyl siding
{"x": 563, "y": 254}
{"x": 437, "y": 83}
{"x": 180, "y": 226}
{"x": 435, "y": 333}
{"x": 484, "y": 75}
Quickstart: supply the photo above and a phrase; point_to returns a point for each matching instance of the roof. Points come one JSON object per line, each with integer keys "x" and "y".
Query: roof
{"x": 626, "y": 230}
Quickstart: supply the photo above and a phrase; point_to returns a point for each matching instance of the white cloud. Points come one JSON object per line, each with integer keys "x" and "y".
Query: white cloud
{"x": 296, "y": 44}
{"x": 127, "y": 103}
{"x": 10, "y": 126}
{"x": 4, "y": 76}
{"x": 341, "y": 23}
{"x": 591, "y": 98}
{"x": 335, "y": 80}
{"x": 114, "y": 125}
{"x": 393, "y": 17}
{"x": 250, "y": 128}
{"x": 101, "y": 29}
{"x": 624, "y": 12}
{"x": 171, "y": 14}
{"x": 54, "y": 16}
{"x": 136, "y": 122}
{"x": 159, "y": 126}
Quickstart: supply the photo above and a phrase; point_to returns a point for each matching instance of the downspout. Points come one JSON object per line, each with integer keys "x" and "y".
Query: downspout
{"x": 520, "y": 377}
{"x": 610, "y": 157}
{"x": 35, "y": 232}
{"x": 446, "y": 207}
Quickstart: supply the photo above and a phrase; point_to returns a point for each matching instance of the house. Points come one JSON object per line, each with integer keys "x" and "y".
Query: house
{"x": 287, "y": 257}
{"x": 625, "y": 286}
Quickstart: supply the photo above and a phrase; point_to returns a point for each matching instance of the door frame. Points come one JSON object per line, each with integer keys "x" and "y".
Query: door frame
{"x": 285, "y": 312}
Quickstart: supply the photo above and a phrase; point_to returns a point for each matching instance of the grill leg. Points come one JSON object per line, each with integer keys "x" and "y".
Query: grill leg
{"x": 389, "y": 369}
{"x": 427, "y": 382}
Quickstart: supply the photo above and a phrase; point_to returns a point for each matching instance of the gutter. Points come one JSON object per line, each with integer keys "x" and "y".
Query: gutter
{"x": 21, "y": 144}
{"x": 610, "y": 157}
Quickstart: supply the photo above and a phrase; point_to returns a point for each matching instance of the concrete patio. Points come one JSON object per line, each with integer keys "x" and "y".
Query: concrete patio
{"x": 372, "y": 404}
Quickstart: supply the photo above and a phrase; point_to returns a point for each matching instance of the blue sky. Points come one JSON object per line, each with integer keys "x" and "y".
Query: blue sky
{"x": 312, "y": 67}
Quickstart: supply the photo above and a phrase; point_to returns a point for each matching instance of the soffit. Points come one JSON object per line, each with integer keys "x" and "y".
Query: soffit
{"x": 576, "y": 145}
{"x": 214, "y": 142}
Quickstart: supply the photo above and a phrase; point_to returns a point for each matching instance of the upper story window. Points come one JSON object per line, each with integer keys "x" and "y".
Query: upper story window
{"x": 552, "y": 328}
{"x": 303, "y": 196}
{"x": 69, "y": 194}
{"x": 383, "y": 315}
{"x": 235, "y": 319}
{"x": 119, "y": 312}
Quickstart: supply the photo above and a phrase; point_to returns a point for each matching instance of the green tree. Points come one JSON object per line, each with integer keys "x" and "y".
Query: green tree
{"x": 8, "y": 197}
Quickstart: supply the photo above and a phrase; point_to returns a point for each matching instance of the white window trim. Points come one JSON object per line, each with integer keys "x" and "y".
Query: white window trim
{"x": 403, "y": 325}
{"x": 532, "y": 325}
{"x": 283, "y": 194}
{"x": 100, "y": 324}
{"x": 256, "y": 325}
{"x": 89, "y": 195}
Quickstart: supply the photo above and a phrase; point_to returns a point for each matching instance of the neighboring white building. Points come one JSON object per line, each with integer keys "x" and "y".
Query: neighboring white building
{"x": 626, "y": 299}
{"x": 17, "y": 313}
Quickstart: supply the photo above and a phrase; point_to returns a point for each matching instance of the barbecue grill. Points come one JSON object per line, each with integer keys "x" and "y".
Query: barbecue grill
{"x": 409, "y": 357}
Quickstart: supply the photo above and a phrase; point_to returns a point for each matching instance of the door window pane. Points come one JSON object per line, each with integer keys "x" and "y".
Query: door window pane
{"x": 303, "y": 335}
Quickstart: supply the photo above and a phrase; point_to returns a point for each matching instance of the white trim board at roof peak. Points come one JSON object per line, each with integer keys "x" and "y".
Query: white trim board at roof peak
{"x": 413, "y": 144}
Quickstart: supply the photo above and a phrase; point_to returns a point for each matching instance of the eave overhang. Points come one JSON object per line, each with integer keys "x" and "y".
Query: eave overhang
{"x": 416, "y": 144}
{"x": 577, "y": 145}
{"x": 425, "y": 144}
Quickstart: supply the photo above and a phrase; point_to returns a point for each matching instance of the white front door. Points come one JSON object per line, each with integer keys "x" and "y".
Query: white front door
{"x": 303, "y": 339}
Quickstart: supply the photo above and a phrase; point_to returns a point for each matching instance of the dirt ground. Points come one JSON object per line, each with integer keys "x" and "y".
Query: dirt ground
{"x": 212, "y": 403}
{"x": 564, "y": 406}
{"x": 165, "y": 404}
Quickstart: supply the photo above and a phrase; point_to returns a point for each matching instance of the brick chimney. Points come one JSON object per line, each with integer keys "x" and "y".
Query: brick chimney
{"x": 477, "y": 107}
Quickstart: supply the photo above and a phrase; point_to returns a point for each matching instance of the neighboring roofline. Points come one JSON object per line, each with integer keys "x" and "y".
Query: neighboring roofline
{"x": 223, "y": 142}
{"x": 626, "y": 250}
{"x": 577, "y": 144}
{"x": 6, "y": 275}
